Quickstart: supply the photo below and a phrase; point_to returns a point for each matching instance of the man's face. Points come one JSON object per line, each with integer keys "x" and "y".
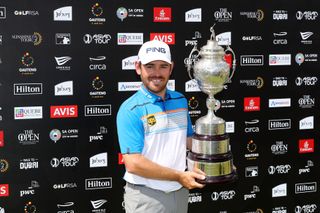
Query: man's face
{"x": 155, "y": 76}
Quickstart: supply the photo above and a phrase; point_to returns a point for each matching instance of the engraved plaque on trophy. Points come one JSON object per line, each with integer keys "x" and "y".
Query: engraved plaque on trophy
{"x": 211, "y": 150}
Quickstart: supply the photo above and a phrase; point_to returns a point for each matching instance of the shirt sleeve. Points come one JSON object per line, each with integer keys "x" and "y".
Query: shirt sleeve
{"x": 130, "y": 131}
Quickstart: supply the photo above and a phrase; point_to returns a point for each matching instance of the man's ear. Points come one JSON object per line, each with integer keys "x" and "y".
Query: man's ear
{"x": 137, "y": 65}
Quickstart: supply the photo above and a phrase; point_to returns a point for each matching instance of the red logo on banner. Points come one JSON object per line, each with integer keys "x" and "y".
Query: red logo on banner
{"x": 120, "y": 158}
{"x": 1, "y": 138}
{"x": 162, "y": 14}
{"x": 228, "y": 59}
{"x": 251, "y": 104}
{"x": 168, "y": 38}
{"x": 68, "y": 111}
{"x": 4, "y": 190}
{"x": 306, "y": 146}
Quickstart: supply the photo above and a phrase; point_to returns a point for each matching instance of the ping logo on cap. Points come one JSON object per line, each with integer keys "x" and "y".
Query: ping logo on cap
{"x": 156, "y": 49}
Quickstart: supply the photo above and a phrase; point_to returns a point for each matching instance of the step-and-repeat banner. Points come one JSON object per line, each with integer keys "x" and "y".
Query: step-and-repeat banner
{"x": 66, "y": 66}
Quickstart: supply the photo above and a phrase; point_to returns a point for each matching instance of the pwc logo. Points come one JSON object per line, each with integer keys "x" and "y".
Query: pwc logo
{"x": 251, "y": 104}
{"x": 168, "y": 38}
{"x": 1, "y": 138}
{"x": 4, "y": 190}
{"x": 64, "y": 111}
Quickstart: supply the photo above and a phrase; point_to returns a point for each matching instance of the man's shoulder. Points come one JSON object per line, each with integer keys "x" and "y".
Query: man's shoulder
{"x": 132, "y": 102}
{"x": 175, "y": 94}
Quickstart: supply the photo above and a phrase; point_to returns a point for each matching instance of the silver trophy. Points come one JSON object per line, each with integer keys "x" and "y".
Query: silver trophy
{"x": 211, "y": 150}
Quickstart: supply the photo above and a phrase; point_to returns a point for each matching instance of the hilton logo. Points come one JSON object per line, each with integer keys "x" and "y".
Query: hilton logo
{"x": 27, "y": 89}
{"x": 98, "y": 183}
{"x": 305, "y": 187}
{"x": 251, "y": 60}
{"x": 279, "y": 124}
{"x": 2, "y": 12}
{"x": 97, "y": 110}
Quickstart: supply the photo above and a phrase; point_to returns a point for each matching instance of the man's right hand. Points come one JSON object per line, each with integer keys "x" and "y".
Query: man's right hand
{"x": 188, "y": 178}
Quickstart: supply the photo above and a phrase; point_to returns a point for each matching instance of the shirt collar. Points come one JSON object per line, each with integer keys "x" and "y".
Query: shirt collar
{"x": 153, "y": 97}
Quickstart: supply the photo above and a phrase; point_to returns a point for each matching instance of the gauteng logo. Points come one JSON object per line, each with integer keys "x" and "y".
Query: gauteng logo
{"x": 67, "y": 111}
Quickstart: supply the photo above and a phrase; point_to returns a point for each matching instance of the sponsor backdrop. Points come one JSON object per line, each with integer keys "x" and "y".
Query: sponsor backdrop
{"x": 66, "y": 66}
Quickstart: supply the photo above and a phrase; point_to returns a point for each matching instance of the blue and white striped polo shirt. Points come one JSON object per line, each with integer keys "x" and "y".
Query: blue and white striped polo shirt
{"x": 156, "y": 128}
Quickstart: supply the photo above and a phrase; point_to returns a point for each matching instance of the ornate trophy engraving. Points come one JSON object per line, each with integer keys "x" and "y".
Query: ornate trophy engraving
{"x": 211, "y": 150}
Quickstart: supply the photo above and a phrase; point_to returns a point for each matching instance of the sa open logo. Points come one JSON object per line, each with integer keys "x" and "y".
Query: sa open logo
{"x": 151, "y": 120}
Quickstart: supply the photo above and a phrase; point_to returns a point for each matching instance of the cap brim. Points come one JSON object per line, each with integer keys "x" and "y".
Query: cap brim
{"x": 146, "y": 61}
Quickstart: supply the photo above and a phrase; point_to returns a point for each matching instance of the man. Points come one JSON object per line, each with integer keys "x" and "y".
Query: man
{"x": 153, "y": 126}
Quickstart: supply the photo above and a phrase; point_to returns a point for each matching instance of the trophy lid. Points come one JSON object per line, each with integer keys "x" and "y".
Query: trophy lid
{"x": 212, "y": 48}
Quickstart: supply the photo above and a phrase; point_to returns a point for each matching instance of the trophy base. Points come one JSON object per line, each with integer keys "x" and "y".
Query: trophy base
{"x": 218, "y": 168}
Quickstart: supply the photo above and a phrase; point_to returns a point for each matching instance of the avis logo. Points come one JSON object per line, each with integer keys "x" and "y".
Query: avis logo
{"x": 67, "y": 111}
{"x": 4, "y": 190}
{"x": 168, "y": 38}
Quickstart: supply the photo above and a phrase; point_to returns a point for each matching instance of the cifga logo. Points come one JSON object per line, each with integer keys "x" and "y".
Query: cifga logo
{"x": 130, "y": 38}
{"x": 28, "y": 112}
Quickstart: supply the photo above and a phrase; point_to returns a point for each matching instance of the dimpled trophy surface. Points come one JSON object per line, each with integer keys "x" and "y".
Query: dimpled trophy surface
{"x": 211, "y": 150}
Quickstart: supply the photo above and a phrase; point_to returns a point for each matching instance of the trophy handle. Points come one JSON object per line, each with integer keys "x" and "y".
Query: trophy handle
{"x": 233, "y": 63}
{"x": 189, "y": 63}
